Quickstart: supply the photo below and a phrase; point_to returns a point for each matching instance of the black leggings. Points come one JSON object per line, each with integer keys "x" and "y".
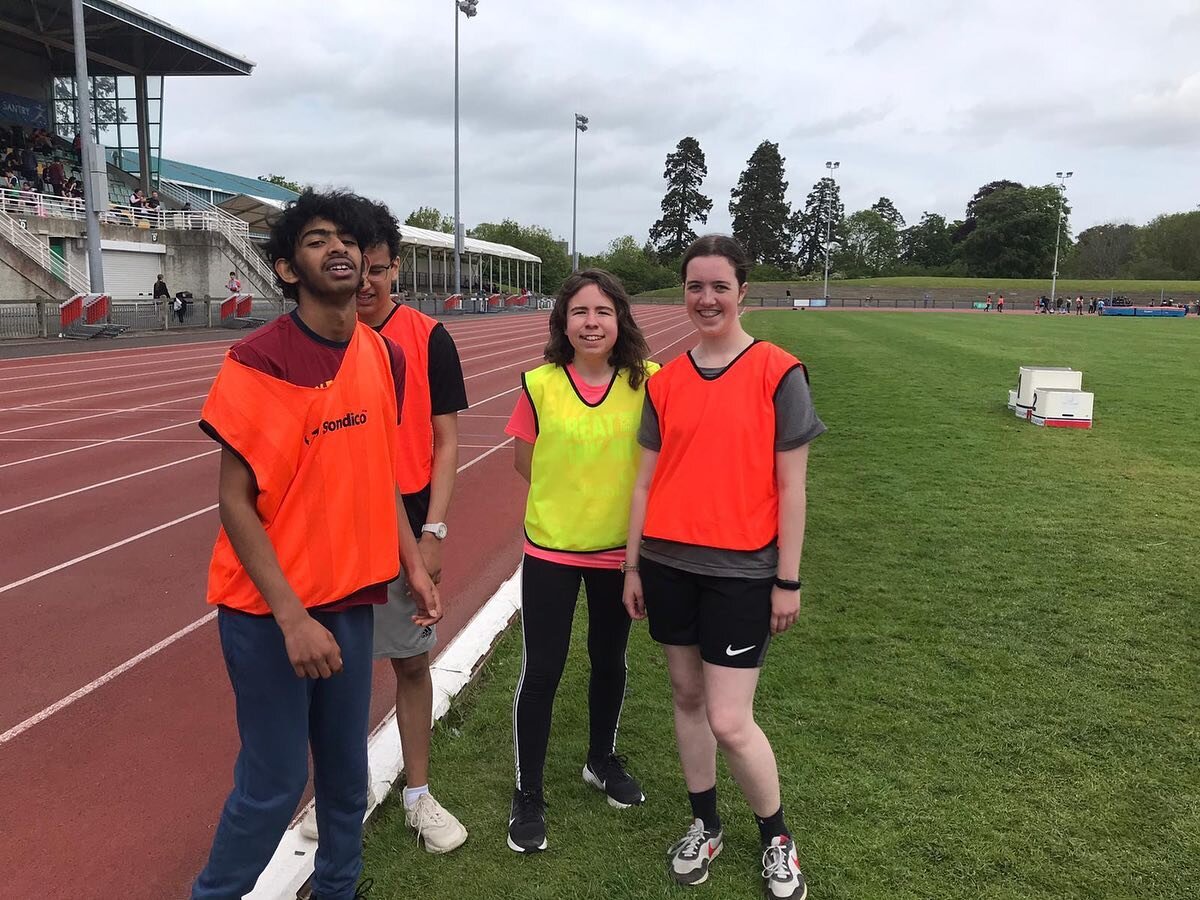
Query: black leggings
{"x": 549, "y": 593}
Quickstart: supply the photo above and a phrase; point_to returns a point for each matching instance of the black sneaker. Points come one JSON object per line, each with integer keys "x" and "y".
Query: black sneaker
{"x": 689, "y": 857}
{"x": 782, "y": 878}
{"x": 608, "y": 775}
{"x": 527, "y": 822}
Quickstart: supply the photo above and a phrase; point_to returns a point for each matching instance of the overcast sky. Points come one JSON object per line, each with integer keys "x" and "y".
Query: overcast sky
{"x": 923, "y": 102}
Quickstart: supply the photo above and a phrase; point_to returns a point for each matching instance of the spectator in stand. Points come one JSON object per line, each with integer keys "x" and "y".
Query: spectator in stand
{"x": 29, "y": 165}
{"x": 55, "y": 176}
{"x": 137, "y": 200}
{"x": 233, "y": 285}
{"x": 153, "y": 204}
{"x": 77, "y": 146}
{"x": 41, "y": 141}
{"x": 73, "y": 187}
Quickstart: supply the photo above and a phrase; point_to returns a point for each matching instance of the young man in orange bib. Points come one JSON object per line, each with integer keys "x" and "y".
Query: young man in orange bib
{"x": 426, "y": 465}
{"x": 305, "y": 410}
{"x": 716, "y": 527}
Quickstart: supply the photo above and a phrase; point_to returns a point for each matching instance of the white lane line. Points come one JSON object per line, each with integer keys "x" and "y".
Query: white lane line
{"x": 132, "y": 390}
{"x": 104, "y": 679}
{"x": 108, "y": 676}
{"x": 38, "y": 440}
{"x": 123, "y": 377}
{"x": 132, "y": 365}
{"x": 12, "y": 585}
{"x": 105, "y": 409}
{"x": 65, "y": 358}
{"x": 117, "y": 440}
{"x": 100, "y": 484}
{"x": 103, "y": 415}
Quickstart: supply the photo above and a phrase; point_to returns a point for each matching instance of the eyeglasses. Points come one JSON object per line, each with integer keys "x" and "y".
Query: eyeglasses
{"x": 377, "y": 271}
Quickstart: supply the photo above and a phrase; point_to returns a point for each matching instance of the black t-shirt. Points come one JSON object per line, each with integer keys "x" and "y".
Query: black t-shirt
{"x": 447, "y": 394}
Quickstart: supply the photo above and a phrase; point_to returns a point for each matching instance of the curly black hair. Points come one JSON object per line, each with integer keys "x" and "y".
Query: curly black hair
{"x": 344, "y": 209}
{"x": 387, "y": 232}
{"x": 630, "y": 352}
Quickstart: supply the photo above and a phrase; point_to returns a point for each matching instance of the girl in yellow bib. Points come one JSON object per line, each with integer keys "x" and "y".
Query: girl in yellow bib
{"x": 575, "y": 426}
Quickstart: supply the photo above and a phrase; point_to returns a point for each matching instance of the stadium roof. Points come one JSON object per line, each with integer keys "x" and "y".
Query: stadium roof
{"x": 441, "y": 240}
{"x": 121, "y": 40}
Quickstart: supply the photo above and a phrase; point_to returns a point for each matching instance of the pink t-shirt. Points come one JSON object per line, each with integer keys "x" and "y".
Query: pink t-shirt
{"x": 522, "y": 425}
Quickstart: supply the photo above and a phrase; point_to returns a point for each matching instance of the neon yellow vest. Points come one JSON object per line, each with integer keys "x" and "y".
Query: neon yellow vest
{"x": 585, "y": 462}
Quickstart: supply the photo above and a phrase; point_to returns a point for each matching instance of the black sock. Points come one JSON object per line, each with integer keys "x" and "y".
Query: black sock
{"x": 704, "y": 807}
{"x": 772, "y": 826}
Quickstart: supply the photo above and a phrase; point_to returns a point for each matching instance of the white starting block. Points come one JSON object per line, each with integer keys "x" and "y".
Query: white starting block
{"x": 1062, "y": 408}
{"x": 1031, "y": 379}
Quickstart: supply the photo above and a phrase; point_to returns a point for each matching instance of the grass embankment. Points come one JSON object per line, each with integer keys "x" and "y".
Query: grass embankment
{"x": 991, "y": 692}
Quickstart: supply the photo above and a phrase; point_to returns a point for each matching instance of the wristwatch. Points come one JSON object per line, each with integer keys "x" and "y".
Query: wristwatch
{"x": 437, "y": 529}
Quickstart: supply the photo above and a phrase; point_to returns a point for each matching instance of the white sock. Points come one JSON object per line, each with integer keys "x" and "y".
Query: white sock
{"x": 413, "y": 794}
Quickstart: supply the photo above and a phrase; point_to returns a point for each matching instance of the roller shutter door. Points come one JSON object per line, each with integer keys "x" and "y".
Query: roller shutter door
{"x": 130, "y": 275}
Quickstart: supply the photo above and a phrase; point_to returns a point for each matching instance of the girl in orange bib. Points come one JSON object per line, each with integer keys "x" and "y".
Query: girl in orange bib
{"x": 713, "y": 556}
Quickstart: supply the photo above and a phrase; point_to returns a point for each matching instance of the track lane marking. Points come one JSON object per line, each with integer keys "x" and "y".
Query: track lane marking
{"x": 56, "y": 707}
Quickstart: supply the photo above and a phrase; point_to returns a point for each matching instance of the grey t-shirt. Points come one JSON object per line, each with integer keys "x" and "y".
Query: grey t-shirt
{"x": 796, "y": 423}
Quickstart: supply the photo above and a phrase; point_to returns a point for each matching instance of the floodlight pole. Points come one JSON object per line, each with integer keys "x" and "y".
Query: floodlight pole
{"x": 1062, "y": 197}
{"x": 469, "y": 9}
{"x": 87, "y": 151}
{"x": 581, "y": 124}
{"x": 831, "y": 165}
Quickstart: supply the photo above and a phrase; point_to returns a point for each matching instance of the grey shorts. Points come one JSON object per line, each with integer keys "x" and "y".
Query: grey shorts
{"x": 396, "y": 635}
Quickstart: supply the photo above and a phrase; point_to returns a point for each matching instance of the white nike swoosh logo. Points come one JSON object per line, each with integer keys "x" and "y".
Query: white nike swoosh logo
{"x": 729, "y": 651}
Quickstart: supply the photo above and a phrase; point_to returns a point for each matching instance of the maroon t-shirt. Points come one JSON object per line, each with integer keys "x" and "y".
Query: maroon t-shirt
{"x": 289, "y": 350}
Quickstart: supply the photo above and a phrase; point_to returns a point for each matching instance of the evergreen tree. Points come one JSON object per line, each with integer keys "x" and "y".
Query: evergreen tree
{"x": 823, "y": 204}
{"x": 928, "y": 243}
{"x": 762, "y": 218}
{"x": 683, "y": 203}
{"x": 887, "y": 210}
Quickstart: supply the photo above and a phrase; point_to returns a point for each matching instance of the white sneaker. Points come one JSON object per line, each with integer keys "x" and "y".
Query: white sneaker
{"x": 308, "y": 826}
{"x": 689, "y": 857}
{"x": 440, "y": 831}
{"x": 782, "y": 878}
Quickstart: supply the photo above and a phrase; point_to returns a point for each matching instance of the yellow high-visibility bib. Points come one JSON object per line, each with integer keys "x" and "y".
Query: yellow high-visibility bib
{"x": 585, "y": 462}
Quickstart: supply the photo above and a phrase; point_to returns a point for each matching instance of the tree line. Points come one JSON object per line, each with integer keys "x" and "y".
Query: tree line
{"x": 1007, "y": 230}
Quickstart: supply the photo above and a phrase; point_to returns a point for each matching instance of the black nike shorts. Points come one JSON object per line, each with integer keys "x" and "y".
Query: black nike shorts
{"x": 728, "y": 618}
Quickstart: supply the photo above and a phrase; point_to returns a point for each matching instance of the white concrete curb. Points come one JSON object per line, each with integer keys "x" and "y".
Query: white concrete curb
{"x": 455, "y": 666}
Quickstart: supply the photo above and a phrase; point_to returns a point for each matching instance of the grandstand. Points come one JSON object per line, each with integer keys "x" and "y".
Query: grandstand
{"x": 209, "y": 222}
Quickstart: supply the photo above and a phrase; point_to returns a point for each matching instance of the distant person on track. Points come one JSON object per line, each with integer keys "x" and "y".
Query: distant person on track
{"x": 426, "y": 466}
{"x": 305, "y": 410}
{"x": 1079, "y": 305}
{"x": 1000, "y": 303}
{"x": 713, "y": 557}
{"x": 575, "y": 425}
{"x": 234, "y": 284}
{"x": 988, "y": 302}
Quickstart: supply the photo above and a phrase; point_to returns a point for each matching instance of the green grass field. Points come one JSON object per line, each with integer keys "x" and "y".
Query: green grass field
{"x": 971, "y": 286}
{"x": 992, "y": 690}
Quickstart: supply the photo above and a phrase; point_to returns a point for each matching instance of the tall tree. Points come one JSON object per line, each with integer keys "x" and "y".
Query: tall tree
{"x": 928, "y": 243}
{"x": 1104, "y": 251}
{"x": 762, "y": 218}
{"x": 871, "y": 245}
{"x": 1014, "y": 232}
{"x": 968, "y": 223}
{"x": 887, "y": 210}
{"x": 283, "y": 182}
{"x": 1169, "y": 247}
{"x": 683, "y": 202}
{"x": 635, "y": 266}
{"x": 823, "y": 213}
{"x": 431, "y": 219}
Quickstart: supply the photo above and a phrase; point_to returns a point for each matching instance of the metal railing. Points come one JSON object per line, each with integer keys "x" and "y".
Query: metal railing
{"x": 30, "y": 204}
{"x": 234, "y": 229}
{"x": 14, "y": 230}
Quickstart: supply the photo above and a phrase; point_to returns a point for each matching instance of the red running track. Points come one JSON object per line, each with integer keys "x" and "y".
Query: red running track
{"x": 117, "y": 737}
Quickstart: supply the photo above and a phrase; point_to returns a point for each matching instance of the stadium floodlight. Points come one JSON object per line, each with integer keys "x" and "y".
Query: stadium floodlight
{"x": 581, "y": 124}
{"x": 469, "y": 8}
{"x": 831, "y": 165}
{"x": 1062, "y": 197}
